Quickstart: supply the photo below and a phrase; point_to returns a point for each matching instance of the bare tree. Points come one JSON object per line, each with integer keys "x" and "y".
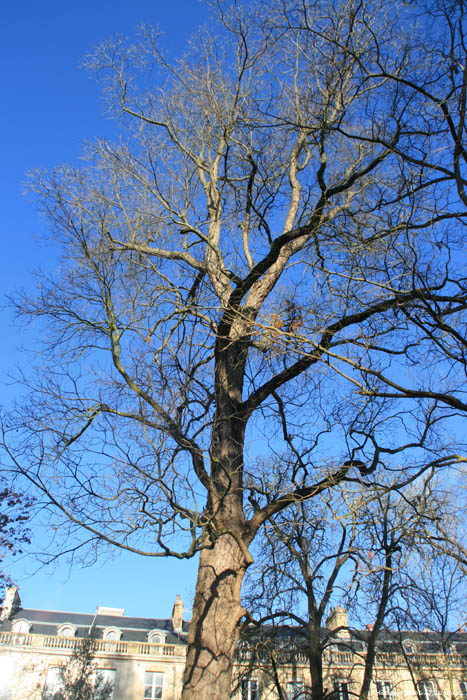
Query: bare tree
{"x": 349, "y": 550}
{"x": 305, "y": 560}
{"x": 427, "y": 597}
{"x": 395, "y": 533}
{"x": 243, "y": 277}
{"x": 430, "y": 618}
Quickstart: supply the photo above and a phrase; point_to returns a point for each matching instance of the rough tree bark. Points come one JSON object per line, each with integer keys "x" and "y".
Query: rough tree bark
{"x": 215, "y": 624}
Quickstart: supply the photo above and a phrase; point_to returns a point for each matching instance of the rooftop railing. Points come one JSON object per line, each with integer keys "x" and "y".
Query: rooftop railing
{"x": 331, "y": 657}
{"x": 339, "y": 658}
{"x": 100, "y": 646}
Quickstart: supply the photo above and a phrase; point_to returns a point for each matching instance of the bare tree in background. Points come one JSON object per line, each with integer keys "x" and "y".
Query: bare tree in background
{"x": 305, "y": 560}
{"x": 348, "y": 550}
{"x": 269, "y": 265}
{"x": 426, "y": 598}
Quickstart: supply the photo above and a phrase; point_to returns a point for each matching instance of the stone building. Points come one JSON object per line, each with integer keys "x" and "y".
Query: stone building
{"x": 139, "y": 657}
{"x": 143, "y": 658}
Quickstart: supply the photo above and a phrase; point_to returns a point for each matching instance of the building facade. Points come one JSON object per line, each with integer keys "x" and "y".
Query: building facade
{"x": 143, "y": 658}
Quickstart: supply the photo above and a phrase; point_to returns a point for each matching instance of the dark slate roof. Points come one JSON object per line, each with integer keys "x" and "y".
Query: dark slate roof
{"x": 132, "y": 628}
{"x": 424, "y": 641}
{"x": 47, "y": 622}
{"x": 389, "y": 641}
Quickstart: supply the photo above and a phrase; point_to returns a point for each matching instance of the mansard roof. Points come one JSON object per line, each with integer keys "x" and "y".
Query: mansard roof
{"x": 389, "y": 641}
{"x": 47, "y": 622}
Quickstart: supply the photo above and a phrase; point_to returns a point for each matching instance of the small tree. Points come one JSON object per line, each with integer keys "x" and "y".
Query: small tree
{"x": 81, "y": 678}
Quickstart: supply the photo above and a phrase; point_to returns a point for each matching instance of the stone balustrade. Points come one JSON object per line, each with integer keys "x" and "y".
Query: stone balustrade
{"x": 336, "y": 658}
{"x": 101, "y": 646}
{"x": 332, "y": 657}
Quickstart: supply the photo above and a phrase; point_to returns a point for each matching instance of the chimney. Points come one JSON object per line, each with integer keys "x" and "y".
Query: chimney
{"x": 338, "y": 620}
{"x": 177, "y": 614}
{"x": 113, "y": 612}
{"x": 11, "y": 603}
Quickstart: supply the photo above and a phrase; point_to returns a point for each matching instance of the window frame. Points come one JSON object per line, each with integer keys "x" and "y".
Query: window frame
{"x": 103, "y": 671}
{"x": 22, "y": 623}
{"x": 111, "y": 630}
{"x": 340, "y": 689}
{"x": 409, "y": 646}
{"x": 463, "y": 689}
{"x": 427, "y": 690}
{"x": 384, "y": 690}
{"x": 295, "y": 689}
{"x": 7, "y": 677}
{"x": 156, "y": 633}
{"x": 249, "y": 689}
{"x": 54, "y": 692}
{"x": 153, "y": 685}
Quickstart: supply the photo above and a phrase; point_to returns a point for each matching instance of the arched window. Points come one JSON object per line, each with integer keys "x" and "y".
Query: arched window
{"x": 21, "y": 627}
{"x": 112, "y": 634}
{"x": 66, "y": 630}
{"x": 409, "y": 646}
{"x": 156, "y": 637}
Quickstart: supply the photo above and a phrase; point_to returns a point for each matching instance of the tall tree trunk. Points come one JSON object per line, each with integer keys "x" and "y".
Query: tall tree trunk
{"x": 315, "y": 660}
{"x": 214, "y": 628}
{"x": 370, "y": 657}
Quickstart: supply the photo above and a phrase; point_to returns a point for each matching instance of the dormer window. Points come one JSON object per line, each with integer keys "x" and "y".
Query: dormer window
{"x": 21, "y": 627}
{"x": 156, "y": 637}
{"x": 66, "y": 630}
{"x": 112, "y": 634}
{"x": 409, "y": 646}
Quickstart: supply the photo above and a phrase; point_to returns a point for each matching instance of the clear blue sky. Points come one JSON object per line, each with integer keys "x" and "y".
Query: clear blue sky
{"x": 50, "y": 106}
